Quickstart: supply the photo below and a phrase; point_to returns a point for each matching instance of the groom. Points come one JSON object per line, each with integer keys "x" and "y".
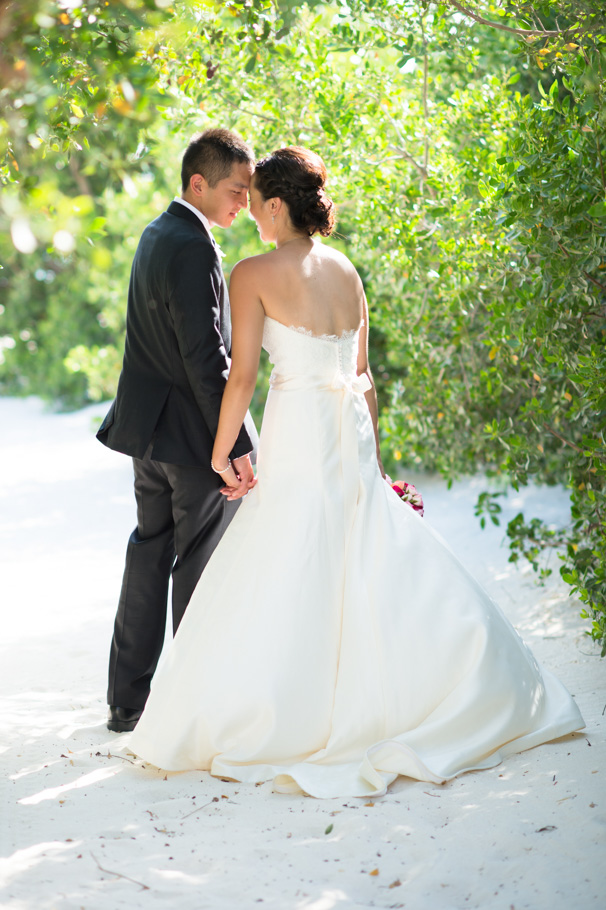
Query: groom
{"x": 166, "y": 411}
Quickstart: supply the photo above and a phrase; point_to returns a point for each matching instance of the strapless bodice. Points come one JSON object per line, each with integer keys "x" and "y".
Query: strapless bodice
{"x": 303, "y": 360}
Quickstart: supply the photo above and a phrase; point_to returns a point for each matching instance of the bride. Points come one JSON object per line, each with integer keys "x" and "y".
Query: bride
{"x": 333, "y": 642}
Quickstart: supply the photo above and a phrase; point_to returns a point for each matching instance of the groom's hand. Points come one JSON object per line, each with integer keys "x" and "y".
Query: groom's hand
{"x": 246, "y": 478}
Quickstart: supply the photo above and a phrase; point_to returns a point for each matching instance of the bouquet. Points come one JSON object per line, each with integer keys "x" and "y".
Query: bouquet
{"x": 409, "y": 493}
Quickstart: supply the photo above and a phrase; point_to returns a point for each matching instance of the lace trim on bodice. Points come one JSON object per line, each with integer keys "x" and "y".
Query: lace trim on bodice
{"x": 301, "y": 356}
{"x": 349, "y": 333}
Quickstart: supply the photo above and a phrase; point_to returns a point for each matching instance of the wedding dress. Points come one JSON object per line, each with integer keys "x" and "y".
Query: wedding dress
{"x": 334, "y": 642}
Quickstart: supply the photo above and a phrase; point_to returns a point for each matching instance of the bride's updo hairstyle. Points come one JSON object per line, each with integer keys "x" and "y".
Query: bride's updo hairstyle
{"x": 297, "y": 176}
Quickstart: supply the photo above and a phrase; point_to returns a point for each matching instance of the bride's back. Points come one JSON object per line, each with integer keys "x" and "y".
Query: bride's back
{"x": 305, "y": 283}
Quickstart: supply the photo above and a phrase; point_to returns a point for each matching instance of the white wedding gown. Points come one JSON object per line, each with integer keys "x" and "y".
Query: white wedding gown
{"x": 334, "y": 641}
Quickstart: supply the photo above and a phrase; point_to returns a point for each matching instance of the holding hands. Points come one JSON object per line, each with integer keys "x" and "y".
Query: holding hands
{"x": 238, "y": 476}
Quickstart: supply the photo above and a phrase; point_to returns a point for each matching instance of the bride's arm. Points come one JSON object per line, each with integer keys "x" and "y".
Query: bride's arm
{"x": 371, "y": 395}
{"x": 247, "y": 334}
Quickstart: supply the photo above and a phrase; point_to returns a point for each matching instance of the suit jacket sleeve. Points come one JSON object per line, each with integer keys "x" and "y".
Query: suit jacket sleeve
{"x": 196, "y": 284}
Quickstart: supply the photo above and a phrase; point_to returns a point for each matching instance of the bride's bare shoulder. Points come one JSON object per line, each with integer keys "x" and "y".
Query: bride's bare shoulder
{"x": 331, "y": 254}
{"x": 251, "y": 267}
{"x": 339, "y": 264}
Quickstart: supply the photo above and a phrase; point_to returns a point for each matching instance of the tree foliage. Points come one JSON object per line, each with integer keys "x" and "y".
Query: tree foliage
{"x": 466, "y": 145}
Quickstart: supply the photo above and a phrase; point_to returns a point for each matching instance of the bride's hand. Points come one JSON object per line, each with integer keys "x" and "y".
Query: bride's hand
{"x": 239, "y": 478}
{"x": 244, "y": 469}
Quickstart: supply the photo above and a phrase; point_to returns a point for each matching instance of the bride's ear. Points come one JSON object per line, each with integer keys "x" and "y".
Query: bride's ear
{"x": 275, "y": 204}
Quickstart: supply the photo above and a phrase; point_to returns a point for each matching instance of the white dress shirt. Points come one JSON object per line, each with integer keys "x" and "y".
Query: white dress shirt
{"x": 204, "y": 221}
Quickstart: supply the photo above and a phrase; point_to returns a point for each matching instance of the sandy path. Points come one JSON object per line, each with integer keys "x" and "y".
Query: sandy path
{"x": 82, "y": 828}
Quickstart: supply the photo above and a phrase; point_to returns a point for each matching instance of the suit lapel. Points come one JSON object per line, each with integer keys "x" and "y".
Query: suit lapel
{"x": 181, "y": 211}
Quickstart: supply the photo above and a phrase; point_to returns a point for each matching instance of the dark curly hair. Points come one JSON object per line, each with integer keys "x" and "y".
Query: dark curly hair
{"x": 297, "y": 176}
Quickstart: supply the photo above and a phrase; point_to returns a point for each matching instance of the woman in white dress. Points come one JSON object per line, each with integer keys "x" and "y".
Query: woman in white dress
{"x": 307, "y": 655}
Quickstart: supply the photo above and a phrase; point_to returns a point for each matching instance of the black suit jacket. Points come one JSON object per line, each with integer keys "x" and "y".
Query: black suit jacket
{"x": 176, "y": 356}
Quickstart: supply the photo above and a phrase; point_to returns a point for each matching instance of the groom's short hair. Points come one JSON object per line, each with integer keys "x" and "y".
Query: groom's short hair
{"x": 213, "y": 154}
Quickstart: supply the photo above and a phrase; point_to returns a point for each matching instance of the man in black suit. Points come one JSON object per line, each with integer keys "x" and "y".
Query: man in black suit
{"x": 166, "y": 411}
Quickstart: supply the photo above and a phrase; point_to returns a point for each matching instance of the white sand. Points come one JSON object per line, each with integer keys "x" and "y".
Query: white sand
{"x": 83, "y": 828}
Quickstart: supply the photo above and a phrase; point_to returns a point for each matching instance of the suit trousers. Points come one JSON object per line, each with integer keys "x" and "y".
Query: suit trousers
{"x": 181, "y": 517}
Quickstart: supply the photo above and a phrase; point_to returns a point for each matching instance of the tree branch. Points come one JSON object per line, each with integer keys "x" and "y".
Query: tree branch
{"x": 598, "y": 132}
{"x": 561, "y": 438}
{"x": 585, "y": 274}
{"x": 465, "y": 379}
{"x": 537, "y": 19}
{"x": 603, "y": 176}
{"x": 242, "y": 110}
{"x": 425, "y": 84}
{"x": 81, "y": 181}
{"x": 402, "y": 153}
{"x": 422, "y": 307}
{"x": 119, "y": 875}
{"x": 594, "y": 281}
{"x": 521, "y": 32}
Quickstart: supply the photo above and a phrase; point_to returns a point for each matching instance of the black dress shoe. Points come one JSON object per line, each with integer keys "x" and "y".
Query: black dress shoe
{"x": 122, "y": 720}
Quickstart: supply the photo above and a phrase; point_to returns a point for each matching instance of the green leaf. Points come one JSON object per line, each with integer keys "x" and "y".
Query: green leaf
{"x": 598, "y": 210}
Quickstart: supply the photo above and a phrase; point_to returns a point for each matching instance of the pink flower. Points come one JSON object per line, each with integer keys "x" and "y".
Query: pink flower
{"x": 408, "y": 493}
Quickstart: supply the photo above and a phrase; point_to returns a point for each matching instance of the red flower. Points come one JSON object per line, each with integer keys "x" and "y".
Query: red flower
{"x": 408, "y": 493}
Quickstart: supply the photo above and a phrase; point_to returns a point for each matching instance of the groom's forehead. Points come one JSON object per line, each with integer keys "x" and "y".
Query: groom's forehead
{"x": 240, "y": 175}
{"x": 237, "y": 181}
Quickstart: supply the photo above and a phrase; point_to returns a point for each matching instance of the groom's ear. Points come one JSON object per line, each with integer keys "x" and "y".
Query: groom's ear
{"x": 198, "y": 185}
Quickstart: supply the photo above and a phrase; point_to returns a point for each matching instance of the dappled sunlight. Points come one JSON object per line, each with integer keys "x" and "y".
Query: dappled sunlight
{"x": 55, "y": 792}
{"x": 177, "y": 877}
{"x": 552, "y": 615}
{"x": 35, "y": 714}
{"x": 23, "y": 861}
{"x": 75, "y": 731}
{"x": 35, "y": 769}
{"x": 329, "y": 899}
